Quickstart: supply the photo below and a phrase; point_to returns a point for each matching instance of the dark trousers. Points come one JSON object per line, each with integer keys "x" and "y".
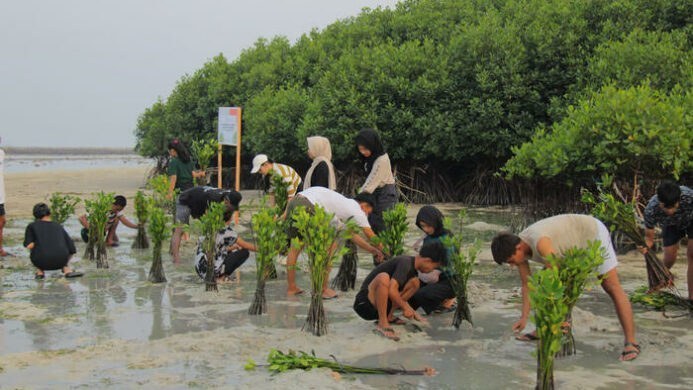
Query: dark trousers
{"x": 431, "y": 296}
{"x": 385, "y": 199}
{"x": 235, "y": 259}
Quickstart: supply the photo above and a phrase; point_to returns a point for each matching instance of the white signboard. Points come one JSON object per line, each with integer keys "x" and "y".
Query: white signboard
{"x": 228, "y": 125}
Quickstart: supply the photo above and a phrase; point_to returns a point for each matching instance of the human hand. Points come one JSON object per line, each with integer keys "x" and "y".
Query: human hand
{"x": 408, "y": 312}
{"x": 379, "y": 255}
{"x": 519, "y": 325}
{"x": 643, "y": 249}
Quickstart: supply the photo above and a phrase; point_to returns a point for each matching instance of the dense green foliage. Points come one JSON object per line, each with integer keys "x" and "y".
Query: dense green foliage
{"x": 456, "y": 84}
{"x": 62, "y": 206}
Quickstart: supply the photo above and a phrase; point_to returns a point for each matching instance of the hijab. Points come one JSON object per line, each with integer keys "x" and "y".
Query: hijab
{"x": 320, "y": 149}
{"x": 432, "y": 217}
{"x": 371, "y": 140}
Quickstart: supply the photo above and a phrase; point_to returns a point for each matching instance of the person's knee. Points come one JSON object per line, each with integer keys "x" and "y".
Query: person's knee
{"x": 381, "y": 280}
{"x": 242, "y": 254}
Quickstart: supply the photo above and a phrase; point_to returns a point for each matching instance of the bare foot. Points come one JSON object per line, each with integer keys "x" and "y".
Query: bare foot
{"x": 294, "y": 291}
{"x": 329, "y": 293}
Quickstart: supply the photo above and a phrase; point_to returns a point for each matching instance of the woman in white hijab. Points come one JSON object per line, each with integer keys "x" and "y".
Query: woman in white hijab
{"x": 321, "y": 172}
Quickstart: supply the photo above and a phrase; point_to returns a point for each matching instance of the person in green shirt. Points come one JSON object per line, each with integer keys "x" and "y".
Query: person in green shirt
{"x": 181, "y": 170}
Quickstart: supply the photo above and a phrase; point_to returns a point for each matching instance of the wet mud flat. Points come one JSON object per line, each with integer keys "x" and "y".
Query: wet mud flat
{"x": 113, "y": 329}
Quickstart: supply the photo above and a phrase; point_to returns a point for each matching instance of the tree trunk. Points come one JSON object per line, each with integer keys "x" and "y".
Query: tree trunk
{"x": 156, "y": 272}
{"x": 101, "y": 255}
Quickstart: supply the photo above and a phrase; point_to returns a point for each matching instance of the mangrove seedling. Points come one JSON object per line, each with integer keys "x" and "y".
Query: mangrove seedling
{"x": 62, "y": 206}
{"x": 160, "y": 230}
{"x": 346, "y": 276}
{"x": 622, "y": 216}
{"x": 577, "y": 269}
{"x": 142, "y": 206}
{"x": 546, "y": 293}
{"x": 281, "y": 192}
{"x": 211, "y": 223}
{"x": 159, "y": 185}
{"x": 270, "y": 241}
{"x": 279, "y": 361}
{"x": 203, "y": 150}
{"x": 98, "y": 210}
{"x": 321, "y": 241}
{"x": 392, "y": 238}
{"x": 660, "y": 300}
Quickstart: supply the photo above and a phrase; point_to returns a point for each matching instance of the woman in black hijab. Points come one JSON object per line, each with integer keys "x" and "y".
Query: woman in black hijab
{"x": 379, "y": 181}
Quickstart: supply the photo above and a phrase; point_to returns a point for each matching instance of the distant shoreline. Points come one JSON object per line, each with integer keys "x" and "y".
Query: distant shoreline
{"x": 68, "y": 151}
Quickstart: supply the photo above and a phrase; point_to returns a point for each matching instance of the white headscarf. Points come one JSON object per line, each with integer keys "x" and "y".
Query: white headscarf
{"x": 320, "y": 149}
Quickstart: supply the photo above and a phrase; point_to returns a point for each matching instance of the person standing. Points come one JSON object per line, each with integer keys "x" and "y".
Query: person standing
{"x": 181, "y": 171}
{"x": 379, "y": 181}
{"x": 672, "y": 209}
{"x": 321, "y": 171}
{"x": 3, "y": 253}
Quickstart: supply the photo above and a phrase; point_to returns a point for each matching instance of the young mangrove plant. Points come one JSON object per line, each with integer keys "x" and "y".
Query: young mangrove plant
{"x": 281, "y": 192}
{"x": 546, "y": 293}
{"x": 159, "y": 185}
{"x": 321, "y": 241}
{"x": 159, "y": 229}
{"x": 621, "y": 216}
{"x": 392, "y": 238}
{"x": 98, "y": 210}
{"x": 576, "y": 269}
{"x": 270, "y": 241}
{"x": 203, "y": 150}
{"x": 211, "y": 223}
{"x": 279, "y": 361}
{"x": 346, "y": 276}
{"x": 62, "y": 206}
{"x": 142, "y": 206}
{"x": 660, "y": 300}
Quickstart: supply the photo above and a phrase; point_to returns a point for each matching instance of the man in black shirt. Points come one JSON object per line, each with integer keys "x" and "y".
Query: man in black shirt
{"x": 194, "y": 203}
{"x": 390, "y": 285}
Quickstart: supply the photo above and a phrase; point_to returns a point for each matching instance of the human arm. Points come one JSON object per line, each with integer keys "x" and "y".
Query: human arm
{"x": 397, "y": 300}
{"x": 243, "y": 244}
{"x": 523, "y": 269}
{"x": 379, "y": 174}
{"x": 649, "y": 240}
{"x": 29, "y": 237}
{"x": 172, "y": 185}
{"x": 127, "y": 222}
{"x": 364, "y": 244}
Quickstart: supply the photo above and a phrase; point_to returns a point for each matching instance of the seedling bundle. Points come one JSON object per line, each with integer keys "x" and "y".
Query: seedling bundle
{"x": 211, "y": 222}
{"x": 159, "y": 229}
{"x": 203, "y": 151}
{"x": 142, "y": 206}
{"x": 98, "y": 210}
{"x": 270, "y": 241}
{"x": 621, "y": 216}
{"x": 62, "y": 206}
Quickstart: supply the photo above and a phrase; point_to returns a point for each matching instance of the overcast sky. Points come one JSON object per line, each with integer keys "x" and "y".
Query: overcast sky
{"x": 79, "y": 72}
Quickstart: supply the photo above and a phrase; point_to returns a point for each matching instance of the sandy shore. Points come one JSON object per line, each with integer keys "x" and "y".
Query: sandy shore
{"x": 23, "y": 190}
{"x": 114, "y": 329}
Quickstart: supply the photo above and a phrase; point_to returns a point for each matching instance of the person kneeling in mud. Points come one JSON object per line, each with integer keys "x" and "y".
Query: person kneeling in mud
{"x": 231, "y": 251}
{"x": 391, "y": 284}
{"x": 115, "y": 216}
{"x": 553, "y": 236}
{"x": 50, "y": 245}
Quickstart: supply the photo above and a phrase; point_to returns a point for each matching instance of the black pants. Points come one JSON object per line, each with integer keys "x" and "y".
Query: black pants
{"x": 385, "y": 199}
{"x": 235, "y": 259}
{"x": 431, "y": 296}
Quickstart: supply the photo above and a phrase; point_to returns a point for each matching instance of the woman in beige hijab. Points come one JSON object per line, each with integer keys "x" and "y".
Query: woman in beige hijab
{"x": 321, "y": 172}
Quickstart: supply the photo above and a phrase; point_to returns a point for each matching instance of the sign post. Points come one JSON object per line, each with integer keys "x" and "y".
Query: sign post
{"x": 229, "y": 125}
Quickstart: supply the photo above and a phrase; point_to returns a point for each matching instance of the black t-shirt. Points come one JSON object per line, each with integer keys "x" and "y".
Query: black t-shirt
{"x": 199, "y": 198}
{"x": 400, "y": 268}
{"x": 51, "y": 241}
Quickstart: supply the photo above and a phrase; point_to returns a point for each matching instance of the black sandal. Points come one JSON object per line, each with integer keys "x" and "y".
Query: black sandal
{"x": 635, "y": 351}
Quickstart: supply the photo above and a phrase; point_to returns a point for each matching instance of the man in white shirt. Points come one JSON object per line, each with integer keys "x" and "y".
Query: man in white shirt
{"x": 3, "y": 253}
{"x": 343, "y": 209}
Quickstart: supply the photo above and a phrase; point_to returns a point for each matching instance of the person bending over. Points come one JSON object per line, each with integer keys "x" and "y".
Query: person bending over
{"x": 50, "y": 245}
{"x": 391, "y": 284}
{"x": 553, "y": 236}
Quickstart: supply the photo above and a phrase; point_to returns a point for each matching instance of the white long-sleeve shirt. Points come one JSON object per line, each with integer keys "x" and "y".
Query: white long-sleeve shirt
{"x": 380, "y": 175}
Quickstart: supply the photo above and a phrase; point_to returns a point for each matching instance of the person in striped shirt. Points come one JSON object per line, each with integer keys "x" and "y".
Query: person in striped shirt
{"x": 263, "y": 165}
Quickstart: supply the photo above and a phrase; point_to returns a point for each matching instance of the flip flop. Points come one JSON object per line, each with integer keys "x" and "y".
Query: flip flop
{"x": 39, "y": 276}
{"x": 74, "y": 274}
{"x": 382, "y": 332}
{"x": 527, "y": 337}
{"x": 625, "y": 353}
{"x": 397, "y": 321}
{"x": 420, "y": 324}
{"x": 332, "y": 297}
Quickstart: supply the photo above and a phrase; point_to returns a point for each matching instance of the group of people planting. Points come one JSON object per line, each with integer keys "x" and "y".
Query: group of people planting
{"x": 397, "y": 282}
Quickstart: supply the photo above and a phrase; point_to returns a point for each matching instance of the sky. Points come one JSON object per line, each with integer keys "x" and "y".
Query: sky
{"x": 78, "y": 73}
